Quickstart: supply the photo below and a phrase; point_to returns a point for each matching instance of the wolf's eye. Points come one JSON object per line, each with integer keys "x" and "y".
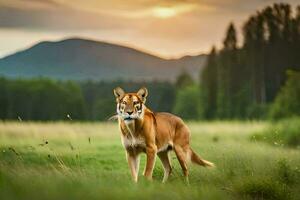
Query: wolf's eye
{"x": 135, "y": 102}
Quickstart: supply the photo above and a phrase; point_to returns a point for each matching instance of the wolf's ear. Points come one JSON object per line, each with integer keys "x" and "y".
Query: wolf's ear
{"x": 143, "y": 93}
{"x": 119, "y": 93}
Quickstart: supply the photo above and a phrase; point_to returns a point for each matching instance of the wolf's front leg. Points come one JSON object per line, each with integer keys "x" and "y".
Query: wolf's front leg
{"x": 133, "y": 160}
{"x": 151, "y": 154}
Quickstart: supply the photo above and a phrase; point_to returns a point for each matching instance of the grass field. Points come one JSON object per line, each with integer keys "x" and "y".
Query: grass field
{"x": 87, "y": 161}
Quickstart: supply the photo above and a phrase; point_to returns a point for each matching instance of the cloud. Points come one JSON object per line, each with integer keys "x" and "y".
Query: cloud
{"x": 91, "y": 15}
{"x": 113, "y": 14}
{"x": 47, "y": 2}
{"x": 29, "y": 4}
{"x": 59, "y": 18}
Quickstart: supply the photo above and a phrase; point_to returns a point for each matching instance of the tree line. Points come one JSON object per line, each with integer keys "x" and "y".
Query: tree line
{"x": 241, "y": 81}
{"x": 44, "y": 99}
{"x": 40, "y": 99}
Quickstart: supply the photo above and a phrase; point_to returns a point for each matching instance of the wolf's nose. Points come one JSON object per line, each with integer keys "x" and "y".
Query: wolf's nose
{"x": 129, "y": 113}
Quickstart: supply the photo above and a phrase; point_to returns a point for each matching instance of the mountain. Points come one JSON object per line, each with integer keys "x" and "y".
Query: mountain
{"x": 81, "y": 59}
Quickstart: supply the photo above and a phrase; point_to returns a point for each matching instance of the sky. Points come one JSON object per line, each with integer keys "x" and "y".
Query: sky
{"x": 166, "y": 28}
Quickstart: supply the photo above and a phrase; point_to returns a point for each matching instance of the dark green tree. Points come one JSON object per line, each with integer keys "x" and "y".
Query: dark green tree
{"x": 187, "y": 104}
{"x": 287, "y": 102}
{"x": 184, "y": 80}
{"x": 209, "y": 85}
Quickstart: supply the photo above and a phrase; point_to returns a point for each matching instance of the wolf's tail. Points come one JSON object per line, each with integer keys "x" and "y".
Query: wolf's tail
{"x": 195, "y": 158}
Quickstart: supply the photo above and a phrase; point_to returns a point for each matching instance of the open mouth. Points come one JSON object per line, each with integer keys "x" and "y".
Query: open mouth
{"x": 128, "y": 118}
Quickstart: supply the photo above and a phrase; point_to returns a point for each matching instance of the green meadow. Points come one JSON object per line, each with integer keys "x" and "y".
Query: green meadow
{"x": 60, "y": 160}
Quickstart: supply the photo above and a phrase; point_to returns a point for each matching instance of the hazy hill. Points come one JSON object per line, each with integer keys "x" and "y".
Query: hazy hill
{"x": 79, "y": 59}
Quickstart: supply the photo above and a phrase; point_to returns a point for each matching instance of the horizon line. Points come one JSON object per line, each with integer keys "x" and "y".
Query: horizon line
{"x": 121, "y": 44}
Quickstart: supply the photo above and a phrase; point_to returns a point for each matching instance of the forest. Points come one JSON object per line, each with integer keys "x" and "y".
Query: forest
{"x": 43, "y": 99}
{"x": 256, "y": 78}
{"x": 241, "y": 81}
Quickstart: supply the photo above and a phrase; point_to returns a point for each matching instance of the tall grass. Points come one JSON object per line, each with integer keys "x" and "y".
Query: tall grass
{"x": 87, "y": 161}
{"x": 281, "y": 133}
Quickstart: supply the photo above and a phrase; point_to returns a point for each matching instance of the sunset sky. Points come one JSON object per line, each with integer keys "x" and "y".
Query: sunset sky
{"x": 168, "y": 28}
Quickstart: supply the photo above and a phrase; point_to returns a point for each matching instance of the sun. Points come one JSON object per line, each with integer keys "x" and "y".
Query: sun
{"x": 164, "y": 12}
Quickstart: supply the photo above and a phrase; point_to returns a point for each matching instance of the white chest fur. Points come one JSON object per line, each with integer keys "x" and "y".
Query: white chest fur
{"x": 131, "y": 139}
{"x": 133, "y": 142}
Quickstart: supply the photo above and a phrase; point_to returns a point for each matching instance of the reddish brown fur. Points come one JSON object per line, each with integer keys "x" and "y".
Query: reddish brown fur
{"x": 160, "y": 133}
